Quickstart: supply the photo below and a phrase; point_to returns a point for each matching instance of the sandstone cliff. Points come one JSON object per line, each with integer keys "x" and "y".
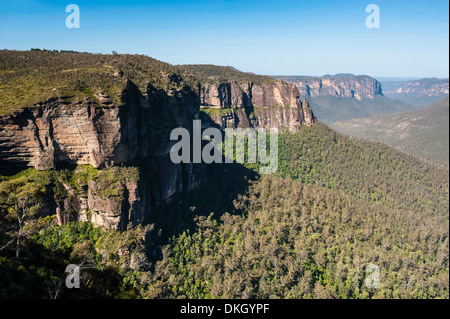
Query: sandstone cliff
{"x": 113, "y": 198}
{"x": 57, "y": 134}
{"x": 423, "y": 87}
{"x": 83, "y": 122}
{"x": 239, "y": 95}
{"x": 237, "y": 99}
{"x": 358, "y": 87}
{"x": 268, "y": 106}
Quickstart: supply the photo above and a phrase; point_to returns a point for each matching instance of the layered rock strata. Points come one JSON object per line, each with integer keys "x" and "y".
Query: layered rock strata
{"x": 136, "y": 133}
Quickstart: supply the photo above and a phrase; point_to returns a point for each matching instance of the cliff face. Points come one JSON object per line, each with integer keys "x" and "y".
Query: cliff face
{"x": 240, "y": 95}
{"x": 358, "y": 87}
{"x": 129, "y": 141}
{"x": 112, "y": 198}
{"x": 56, "y": 134}
{"x": 271, "y": 105}
{"x": 423, "y": 87}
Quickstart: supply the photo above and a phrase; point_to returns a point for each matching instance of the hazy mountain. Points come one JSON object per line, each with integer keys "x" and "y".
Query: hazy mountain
{"x": 338, "y": 85}
{"x": 417, "y": 92}
{"x": 345, "y": 96}
{"x": 424, "y": 132}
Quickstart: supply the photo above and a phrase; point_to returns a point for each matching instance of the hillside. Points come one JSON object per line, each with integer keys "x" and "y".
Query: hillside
{"x": 291, "y": 240}
{"x": 424, "y": 132}
{"x": 330, "y": 109}
{"x": 30, "y": 77}
{"x": 337, "y": 205}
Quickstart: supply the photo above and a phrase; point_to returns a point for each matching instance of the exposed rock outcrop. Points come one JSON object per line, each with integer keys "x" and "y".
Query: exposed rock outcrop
{"x": 54, "y": 134}
{"x": 136, "y": 132}
{"x": 423, "y": 87}
{"x": 271, "y": 105}
{"x": 282, "y": 118}
{"x": 114, "y": 198}
{"x": 241, "y": 95}
{"x": 358, "y": 87}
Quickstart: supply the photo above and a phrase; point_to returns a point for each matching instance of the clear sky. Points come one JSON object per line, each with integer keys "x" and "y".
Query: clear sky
{"x": 286, "y": 37}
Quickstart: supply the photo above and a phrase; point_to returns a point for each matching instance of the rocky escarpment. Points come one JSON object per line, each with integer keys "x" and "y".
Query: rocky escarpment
{"x": 358, "y": 87}
{"x": 423, "y": 87}
{"x": 126, "y": 137}
{"x": 241, "y": 95}
{"x": 269, "y": 105}
{"x": 57, "y": 134}
{"x": 113, "y": 198}
{"x": 237, "y": 99}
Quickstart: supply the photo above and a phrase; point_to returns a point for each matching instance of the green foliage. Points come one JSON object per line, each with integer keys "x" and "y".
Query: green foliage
{"x": 314, "y": 237}
{"x": 217, "y": 112}
{"x": 30, "y": 77}
{"x": 54, "y": 237}
{"x": 112, "y": 264}
{"x": 222, "y": 74}
{"x": 299, "y": 241}
{"x": 337, "y": 205}
{"x": 372, "y": 171}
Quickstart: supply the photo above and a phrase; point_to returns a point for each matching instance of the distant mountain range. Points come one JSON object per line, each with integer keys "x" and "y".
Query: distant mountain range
{"x": 338, "y": 85}
{"x": 345, "y": 96}
{"x": 428, "y": 87}
{"x": 417, "y": 92}
{"x": 424, "y": 132}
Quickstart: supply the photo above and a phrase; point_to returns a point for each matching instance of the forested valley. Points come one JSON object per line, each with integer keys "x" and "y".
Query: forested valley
{"x": 336, "y": 206}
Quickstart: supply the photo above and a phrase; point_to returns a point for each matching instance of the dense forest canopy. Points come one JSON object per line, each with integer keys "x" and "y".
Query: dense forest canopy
{"x": 337, "y": 205}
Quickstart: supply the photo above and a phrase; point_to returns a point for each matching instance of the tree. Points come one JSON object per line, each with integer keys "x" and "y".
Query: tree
{"x": 20, "y": 200}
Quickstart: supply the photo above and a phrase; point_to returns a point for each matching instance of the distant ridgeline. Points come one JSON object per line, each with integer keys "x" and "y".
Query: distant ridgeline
{"x": 417, "y": 92}
{"x": 338, "y": 85}
{"x": 427, "y": 86}
{"x": 344, "y": 96}
{"x": 423, "y": 132}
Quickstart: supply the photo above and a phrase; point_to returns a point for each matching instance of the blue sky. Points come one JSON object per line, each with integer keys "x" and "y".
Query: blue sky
{"x": 312, "y": 37}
